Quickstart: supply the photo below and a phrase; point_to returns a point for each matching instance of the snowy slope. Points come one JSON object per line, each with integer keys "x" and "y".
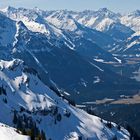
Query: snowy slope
{"x": 132, "y": 20}
{"x": 106, "y": 21}
{"x": 32, "y": 19}
{"x": 63, "y": 20}
{"x": 9, "y": 133}
{"x": 68, "y": 22}
{"x": 24, "y": 89}
{"x": 99, "y": 20}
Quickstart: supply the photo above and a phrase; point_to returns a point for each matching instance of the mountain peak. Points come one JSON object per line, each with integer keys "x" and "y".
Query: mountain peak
{"x": 106, "y": 11}
{"x": 103, "y": 9}
{"x": 136, "y": 13}
{"x": 8, "y": 8}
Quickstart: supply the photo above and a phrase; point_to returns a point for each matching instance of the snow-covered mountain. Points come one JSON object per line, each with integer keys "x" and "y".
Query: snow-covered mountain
{"x": 94, "y": 26}
{"x": 61, "y": 26}
{"x": 132, "y": 20}
{"x": 99, "y": 20}
{"x": 51, "y": 56}
{"x": 65, "y": 20}
{"x": 25, "y": 99}
{"x": 106, "y": 21}
{"x": 132, "y": 46}
{"x": 103, "y": 20}
{"x": 30, "y": 17}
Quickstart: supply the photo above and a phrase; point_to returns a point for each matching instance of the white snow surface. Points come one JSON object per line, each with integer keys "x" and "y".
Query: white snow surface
{"x": 9, "y": 133}
{"x": 99, "y": 20}
{"x": 62, "y": 20}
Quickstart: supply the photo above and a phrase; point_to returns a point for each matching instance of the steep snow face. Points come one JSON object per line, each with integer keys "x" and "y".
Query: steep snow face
{"x": 106, "y": 21}
{"x": 99, "y": 20}
{"x": 12, "y": 74}
{"x": 63, "y": 20}
{"x": 33, "y": 19}
{"x": 7, "y": 30}
{"x": 75, "y": 32}
{"x": 9, "y": 133}
{"x": 21, "y": 88}
{"x": 102, "y": 20}
{"x": 132, "y": 20}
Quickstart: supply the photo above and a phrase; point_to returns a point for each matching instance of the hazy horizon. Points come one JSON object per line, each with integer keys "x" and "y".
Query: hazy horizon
{"x": 116, "y": 5}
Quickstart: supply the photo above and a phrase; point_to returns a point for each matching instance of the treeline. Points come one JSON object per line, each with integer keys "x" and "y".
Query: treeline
{"x": 61, "y": 94}
{"x": 27, "y": 126}
{"x": 2, "y": 91}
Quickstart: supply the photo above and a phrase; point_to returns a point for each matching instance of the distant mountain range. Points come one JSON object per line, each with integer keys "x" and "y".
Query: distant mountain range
{"x": 113, "y": 28}
{"x": 60, "y": 48}
{"x": 79, "y": 55}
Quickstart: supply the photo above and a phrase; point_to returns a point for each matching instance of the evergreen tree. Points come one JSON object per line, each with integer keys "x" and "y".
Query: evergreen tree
{"x": 15, "y": 118}
{"x": 59, "y": 117}
{"x": 5, "y": 100}
{"x": 19, "y": 124}
{"x": 109, "y": 125}
{"x": 31, "y": 134}
{"x": 43, "y": 136}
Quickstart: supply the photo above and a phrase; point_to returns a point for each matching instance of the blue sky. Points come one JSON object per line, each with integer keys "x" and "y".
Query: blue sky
{"x": 78, "y": 5}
